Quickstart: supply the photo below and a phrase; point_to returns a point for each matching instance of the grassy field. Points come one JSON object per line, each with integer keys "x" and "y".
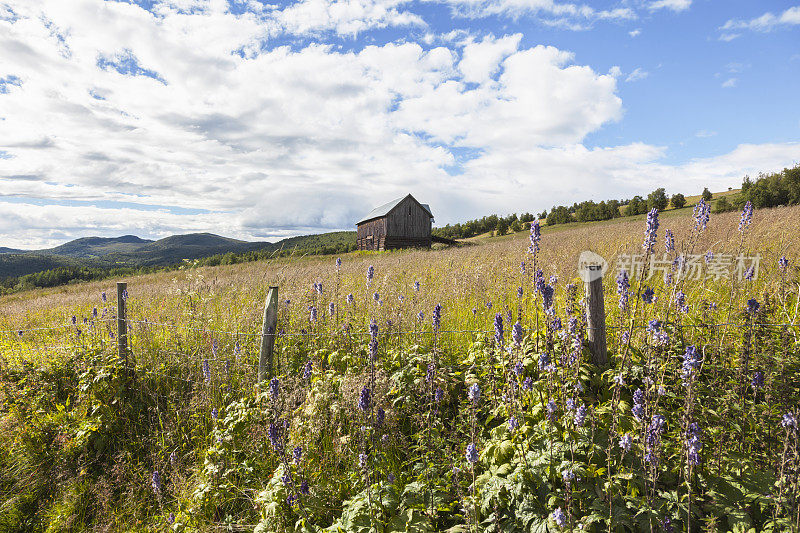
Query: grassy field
{"x": 182, "y": 439}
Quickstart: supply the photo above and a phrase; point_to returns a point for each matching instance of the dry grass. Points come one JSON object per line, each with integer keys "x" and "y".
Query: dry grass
{"x": 231, "y": 297}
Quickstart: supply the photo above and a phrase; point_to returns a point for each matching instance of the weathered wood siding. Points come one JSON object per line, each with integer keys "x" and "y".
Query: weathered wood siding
{"x": 371, "y": 235}
{"x": 408, "y": 220}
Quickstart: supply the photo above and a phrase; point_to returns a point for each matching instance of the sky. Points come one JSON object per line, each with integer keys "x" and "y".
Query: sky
{"x": 261, "y": 120}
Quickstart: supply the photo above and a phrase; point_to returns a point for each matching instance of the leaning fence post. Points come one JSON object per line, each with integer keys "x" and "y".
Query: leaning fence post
{"x": 268, "y": 334}
{"x": 596, "y": 321}
{"x": 122, "y": 323}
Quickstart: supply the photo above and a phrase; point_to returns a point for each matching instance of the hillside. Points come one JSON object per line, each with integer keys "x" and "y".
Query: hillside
{"x": 97, "y": 247}
{"x": 130, "y": 251}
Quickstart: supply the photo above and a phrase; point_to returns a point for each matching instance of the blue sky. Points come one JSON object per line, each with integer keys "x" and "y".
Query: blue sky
{"x": 259, "y": 120}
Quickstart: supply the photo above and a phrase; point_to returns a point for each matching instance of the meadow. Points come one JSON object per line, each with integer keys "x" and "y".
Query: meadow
{"x": 442, "y": 390}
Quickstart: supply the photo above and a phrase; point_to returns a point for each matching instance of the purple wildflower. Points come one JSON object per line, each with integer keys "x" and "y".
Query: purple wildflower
{"x": 307, "y": 369}
{"x": 420, "y": 316}
{"x": 750, "y": 273}
{"x": 331, "y": 308}
{"x": 516, "y": 333}
{"x": 520, "y": 292}
{"x": 498, "y": 329}
{"x": 559, "y": 517}
{"x": 206, "y": 371}
{"x": 513, "y": 424}
{"x": 753, "y": 306}
{"x": 297, "y": 454}
{"x": 638, "y": 409}
{"x": 625, "y": 442}
{"x": 692, "y": 360}
{"x": 647, "y": 295}
{"x": 380, "y": 416}
{"x": 694, "y": 444}
{"x": 747, "y": 216}
{"x": 103, "y": 297}
{"x": 702, "y": 213}
{"x": 757, "y": 381}
{"x": 349, "y": 298}
{"x": 783, "y": 263}
{"x": 215, "y": 413}
{"x": 313, "y": 313}
{"x": 580, "y": 415}
{"x": 623, "y": 284}
{"x": 364, "y": 399}
{"x": 544, "y": 360}
{"x": 669, "y": 241}
{"x": 338, "y": 262}
{"x": 527, "y": 384}
{"x": 474, "y": 393}
{"x": 650, "y": 231}
{"x": 789, "y": 421}
{"x": 156, "y": 482}
{"x": 536, "y": 235}
{"x": 552, "y": 410}
{"x": 416, "y": 286}
{"x": 304, "y": 487}
{"x": 274, "y": 386}
{"x": 472, "y": 453}
{"x": 370, "y": 274}
{"x": 274, "y": 435}
{"x": 436, "y": 319}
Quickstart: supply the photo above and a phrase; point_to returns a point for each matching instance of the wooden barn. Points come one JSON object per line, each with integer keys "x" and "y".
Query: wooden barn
{"x": 402, "y": 223}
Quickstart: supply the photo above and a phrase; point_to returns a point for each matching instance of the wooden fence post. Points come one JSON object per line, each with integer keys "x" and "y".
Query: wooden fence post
{"x": 122, "y": 323}
{"x": 596, "y": 321}
{"x": 268, "y": 335}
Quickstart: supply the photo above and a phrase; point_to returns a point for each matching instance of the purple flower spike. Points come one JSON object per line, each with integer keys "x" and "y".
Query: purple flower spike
{"x": 650, "y": 231}
{"x": 472, "y": 453}
{"x": 498, "y": 329}
{"x": 364, "y": 399}
{"x": 559, "y": 517}
{"x": 474, "y": 393}
{"x": 747, "y": 216}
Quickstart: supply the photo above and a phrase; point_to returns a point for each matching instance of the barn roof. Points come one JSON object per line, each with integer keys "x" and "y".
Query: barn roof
{"x": 383, "y": 210}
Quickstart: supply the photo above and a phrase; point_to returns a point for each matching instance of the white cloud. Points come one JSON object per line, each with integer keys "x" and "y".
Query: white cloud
{"x": 674, "y": 5}
{"x": 730, "y": 83}
{"x": 635, "y": 33}
{"x": 564, "y": 15}
{"x": 480, "y": 60}
{"x": 637, "y": 74}
{"x": 764, "y": 23}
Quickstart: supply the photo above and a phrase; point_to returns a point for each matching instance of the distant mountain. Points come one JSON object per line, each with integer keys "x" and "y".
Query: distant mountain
{"x": 132, "y": 251}
{"x": 97, "y": 247}
{"x": 176, "y": 248}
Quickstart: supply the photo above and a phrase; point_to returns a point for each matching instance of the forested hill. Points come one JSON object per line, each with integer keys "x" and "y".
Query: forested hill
{"x": 90, "y": 257}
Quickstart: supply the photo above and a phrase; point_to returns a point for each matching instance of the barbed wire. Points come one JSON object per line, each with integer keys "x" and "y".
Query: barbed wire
{"x": 350, "y": 332}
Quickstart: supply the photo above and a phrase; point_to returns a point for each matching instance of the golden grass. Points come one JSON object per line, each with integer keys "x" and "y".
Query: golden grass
{"x": 461, "y": 279}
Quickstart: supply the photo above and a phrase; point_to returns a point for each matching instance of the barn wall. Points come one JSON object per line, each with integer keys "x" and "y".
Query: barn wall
{"x": 408, "y": 220}
{"x": 371, "y": 235}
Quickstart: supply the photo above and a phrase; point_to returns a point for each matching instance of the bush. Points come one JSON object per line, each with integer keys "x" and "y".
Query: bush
{"x": 707, "y": 194}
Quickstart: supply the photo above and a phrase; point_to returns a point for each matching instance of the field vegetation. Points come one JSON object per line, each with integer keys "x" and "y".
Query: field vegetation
{"x": 445, "y": 390}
